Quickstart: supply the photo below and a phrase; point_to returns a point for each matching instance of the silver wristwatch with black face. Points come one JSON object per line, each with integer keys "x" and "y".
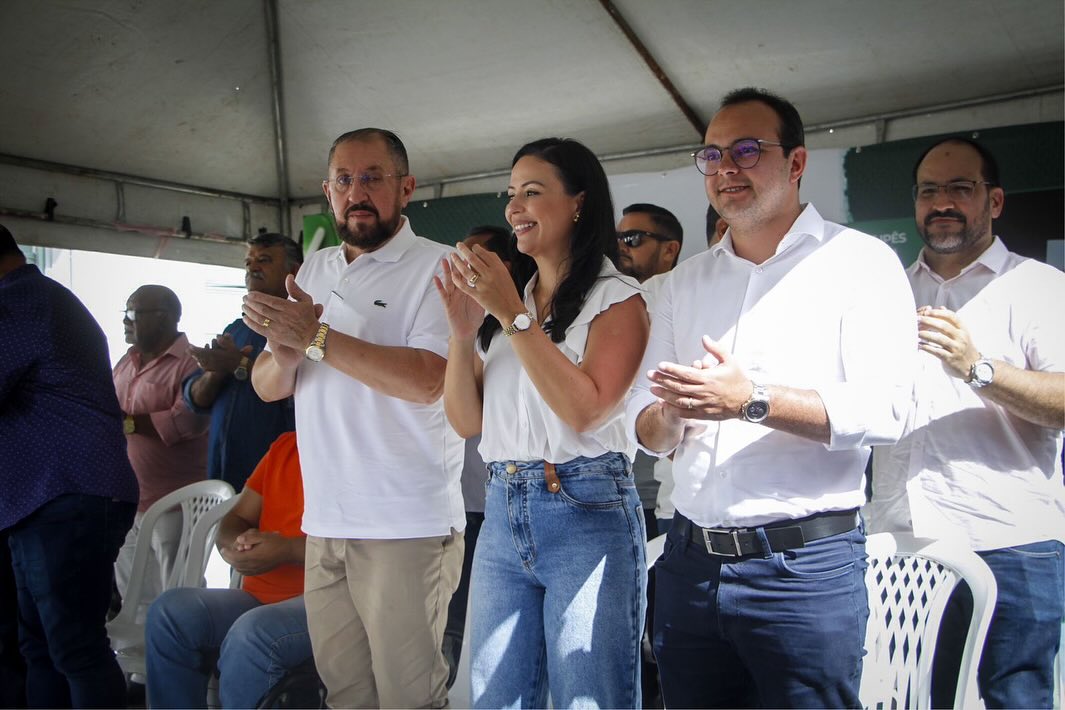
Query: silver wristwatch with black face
{"x": 981, "y": 373}
{"x": 756, "y": 408}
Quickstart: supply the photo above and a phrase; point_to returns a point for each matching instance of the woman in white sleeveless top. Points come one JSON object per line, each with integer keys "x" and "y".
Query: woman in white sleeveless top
{"x": 559, "y": 580}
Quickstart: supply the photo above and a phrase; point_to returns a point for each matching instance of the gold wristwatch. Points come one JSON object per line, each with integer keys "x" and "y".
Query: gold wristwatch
{"x": 522, "y": 321}
{"x": 315, "y": 352}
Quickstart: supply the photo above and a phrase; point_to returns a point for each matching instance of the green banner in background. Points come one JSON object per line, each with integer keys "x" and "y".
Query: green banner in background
{"x": 899, "y": 234}
{"x": 319, "y": 232}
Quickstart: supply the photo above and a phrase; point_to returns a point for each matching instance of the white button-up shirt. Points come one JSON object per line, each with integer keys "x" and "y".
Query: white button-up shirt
{"x": 518, "y": 424}
{"x": 966, "y": 469}
{"x": 830, "y": 311}
{"x": 376, "y": 466}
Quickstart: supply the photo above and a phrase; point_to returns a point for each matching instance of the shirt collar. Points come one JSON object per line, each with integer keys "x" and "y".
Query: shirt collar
{"x": 390, "y": 251}
{"x": 809, "y": 222}
{"x": 177, "y": 349}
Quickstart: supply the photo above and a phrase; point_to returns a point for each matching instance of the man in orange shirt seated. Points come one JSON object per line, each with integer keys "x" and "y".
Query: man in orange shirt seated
{"x": 257, "y": 633}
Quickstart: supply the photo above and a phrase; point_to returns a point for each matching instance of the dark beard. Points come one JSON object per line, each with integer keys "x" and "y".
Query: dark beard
{"x": 958, "y": 240}
{"x": 368, "y": 238}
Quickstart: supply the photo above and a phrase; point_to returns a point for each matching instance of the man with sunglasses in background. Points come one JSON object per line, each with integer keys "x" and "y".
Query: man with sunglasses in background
{"x": 362, "y": 345}
{"x": 649, "y": 243}
{"x": 167, "y": 443}
{"x": 775, "y": 360}
{"x": 980, "y": 460}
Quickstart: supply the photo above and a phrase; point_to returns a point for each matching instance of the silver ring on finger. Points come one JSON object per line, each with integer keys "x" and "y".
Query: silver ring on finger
{"x": 691, "y": 405}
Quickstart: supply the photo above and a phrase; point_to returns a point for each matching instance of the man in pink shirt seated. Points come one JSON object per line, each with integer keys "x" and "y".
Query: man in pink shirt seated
{"x": 167, "y": 443}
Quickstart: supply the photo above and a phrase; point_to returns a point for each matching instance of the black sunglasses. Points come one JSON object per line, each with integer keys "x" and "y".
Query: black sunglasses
{"x": 633, "y": 238}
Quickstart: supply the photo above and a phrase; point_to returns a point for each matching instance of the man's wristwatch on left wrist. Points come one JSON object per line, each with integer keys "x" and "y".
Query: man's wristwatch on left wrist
{"x": 756, "y": 408}
{"x": 315, "y": 352}
{"x": 981, "y": 373}
{"x": 240, "y": 373}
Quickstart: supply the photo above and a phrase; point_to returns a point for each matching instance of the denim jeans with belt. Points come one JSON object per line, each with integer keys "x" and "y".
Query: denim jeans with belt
{"x": 255, "y": 645}
{"x": 62, "y": 555}
{"x": 783, "y": 629}
{"x": 559, "y": 587}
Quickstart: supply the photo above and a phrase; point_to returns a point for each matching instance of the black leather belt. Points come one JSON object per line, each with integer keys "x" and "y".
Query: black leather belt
{"x": 785, "y": 535}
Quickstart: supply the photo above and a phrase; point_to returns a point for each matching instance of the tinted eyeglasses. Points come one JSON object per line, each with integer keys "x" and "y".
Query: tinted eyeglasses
{"x": 370, "y": 182}
{"x": 634, "y": 237}
{"x": 131, "y": 314}
{"x": 957, "y": 190}
{"x": 745, "y": 154}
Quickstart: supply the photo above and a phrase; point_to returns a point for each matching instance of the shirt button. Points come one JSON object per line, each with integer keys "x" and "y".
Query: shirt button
{"x": 758, "y": 270}
{"x": 511, "y": 468}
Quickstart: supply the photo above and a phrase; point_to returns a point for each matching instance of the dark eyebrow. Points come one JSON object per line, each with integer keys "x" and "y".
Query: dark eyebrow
{"x": 527, "y": 183}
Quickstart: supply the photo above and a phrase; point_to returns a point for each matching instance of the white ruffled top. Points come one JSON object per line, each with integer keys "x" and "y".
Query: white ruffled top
{"x": 518, "y": 423}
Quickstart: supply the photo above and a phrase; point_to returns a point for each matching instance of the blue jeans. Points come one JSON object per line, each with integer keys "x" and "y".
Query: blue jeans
{"x": 1017, "y": 665}
{"x": 62, "y": 555}
{"x": 255, "y": 644}
{"x": 785, "y": 629}
{"x": 558, "y": 587}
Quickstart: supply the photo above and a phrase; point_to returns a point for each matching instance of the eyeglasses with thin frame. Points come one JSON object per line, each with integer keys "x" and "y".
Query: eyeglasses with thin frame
{"x": 633, "y": 238}
{"x": 745, "y": 154}
{"x": 369, "y": 182}
{"x": 130, "y": 314}
{"x": 957, "y": 190}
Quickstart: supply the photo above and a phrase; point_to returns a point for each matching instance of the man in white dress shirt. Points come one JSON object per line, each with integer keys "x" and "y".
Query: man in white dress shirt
{"x": 362, "y": 346}
{"x": 776, "y": 359}
{"x": 980, "y": 460}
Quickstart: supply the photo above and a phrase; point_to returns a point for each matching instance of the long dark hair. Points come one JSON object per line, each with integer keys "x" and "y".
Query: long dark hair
{"x": 593, "y": 236}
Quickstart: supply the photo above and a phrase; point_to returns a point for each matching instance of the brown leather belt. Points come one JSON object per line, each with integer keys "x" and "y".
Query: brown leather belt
{"x": 551, "y": 478}
{"x": 785, "y": 535}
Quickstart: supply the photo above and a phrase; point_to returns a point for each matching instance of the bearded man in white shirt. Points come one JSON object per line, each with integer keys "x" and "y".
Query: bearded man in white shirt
{"x": 362, "y": 345}
{"x": 980, "y": 460}
{"x": 776, "y": 359}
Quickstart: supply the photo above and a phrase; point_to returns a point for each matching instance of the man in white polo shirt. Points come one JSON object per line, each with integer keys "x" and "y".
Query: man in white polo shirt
{"x": 362, "y": 346}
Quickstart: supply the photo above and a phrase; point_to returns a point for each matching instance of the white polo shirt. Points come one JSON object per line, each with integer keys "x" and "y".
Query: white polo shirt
{"x": 518, "y": 425}
{"x": 376, "y": 466}
{"x": 830, "y": 311}
{"x": 966, "y": 469}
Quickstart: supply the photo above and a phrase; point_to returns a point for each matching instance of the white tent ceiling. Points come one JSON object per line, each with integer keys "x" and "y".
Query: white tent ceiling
{"x": 181, "y": 90}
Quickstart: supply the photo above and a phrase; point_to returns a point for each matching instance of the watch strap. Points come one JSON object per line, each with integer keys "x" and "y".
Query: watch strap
{"x": 513, "y": 327}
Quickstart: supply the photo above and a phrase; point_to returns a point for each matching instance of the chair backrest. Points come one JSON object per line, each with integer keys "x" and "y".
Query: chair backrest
{"x": 195, "y": 500}
{"x": 200, "y": 543}
{"x": 909, "y": 581}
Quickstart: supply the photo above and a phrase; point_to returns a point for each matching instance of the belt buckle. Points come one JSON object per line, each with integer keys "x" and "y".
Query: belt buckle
{"x": 735, "y": 533}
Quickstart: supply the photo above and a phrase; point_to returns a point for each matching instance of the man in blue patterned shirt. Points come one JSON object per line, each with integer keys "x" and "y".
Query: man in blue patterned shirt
{"x": 69, "y": 491}
{"x": 242, "y": 425}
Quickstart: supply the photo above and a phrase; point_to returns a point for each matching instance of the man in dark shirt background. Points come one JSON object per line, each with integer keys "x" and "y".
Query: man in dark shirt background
{"x": 69, "y": 493}
{"x": 242, "y": 425}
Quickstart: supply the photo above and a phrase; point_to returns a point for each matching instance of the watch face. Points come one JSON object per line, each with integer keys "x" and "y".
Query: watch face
{"x": 315, "y": 353}
{"x": 522, "y": 321}
{"x": 756, "y": 411}
{"x": 983, "y": 372}
{"x": 241, "y": 373}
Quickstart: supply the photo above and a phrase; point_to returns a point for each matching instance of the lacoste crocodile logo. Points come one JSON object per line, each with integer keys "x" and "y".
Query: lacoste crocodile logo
{"x": 380, "y": 303}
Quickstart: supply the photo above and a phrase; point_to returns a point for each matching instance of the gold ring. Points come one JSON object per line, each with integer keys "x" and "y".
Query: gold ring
{"x": 472, "y": 281}
{"x": 266, "y": 322}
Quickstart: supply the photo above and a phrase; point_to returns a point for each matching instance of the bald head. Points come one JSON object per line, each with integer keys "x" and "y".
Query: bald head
{"x": 155, "y": 312}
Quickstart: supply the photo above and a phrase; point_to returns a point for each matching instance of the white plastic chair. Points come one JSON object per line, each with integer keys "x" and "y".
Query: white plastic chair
{"x": 909, "y": 582}
{"x": 201, "y": 509}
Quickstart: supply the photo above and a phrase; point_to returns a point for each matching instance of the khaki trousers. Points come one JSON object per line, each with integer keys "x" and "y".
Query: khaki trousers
{"x": 376, "y": 611}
